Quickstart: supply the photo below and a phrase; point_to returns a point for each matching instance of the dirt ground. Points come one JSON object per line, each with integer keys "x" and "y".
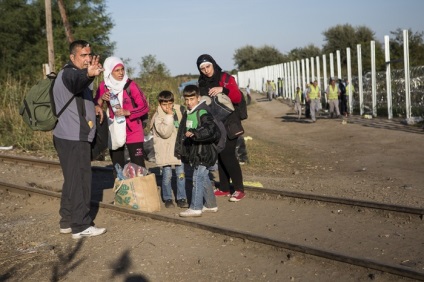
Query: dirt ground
{"x": 374, "y": 160}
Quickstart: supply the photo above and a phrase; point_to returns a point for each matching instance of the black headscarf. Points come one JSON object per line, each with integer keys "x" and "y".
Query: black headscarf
{"x": 205, "y": 83}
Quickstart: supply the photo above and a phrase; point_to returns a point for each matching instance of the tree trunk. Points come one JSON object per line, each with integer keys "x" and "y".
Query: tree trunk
{"x": 49, "y": 31}
{"x": 68, "y": 31}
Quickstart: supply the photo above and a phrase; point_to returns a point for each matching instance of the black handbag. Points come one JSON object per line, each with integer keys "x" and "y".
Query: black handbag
{"x": 233, "y": 126}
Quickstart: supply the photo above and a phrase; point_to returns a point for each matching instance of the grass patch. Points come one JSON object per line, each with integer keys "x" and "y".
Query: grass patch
{"x": 268, "y": 158}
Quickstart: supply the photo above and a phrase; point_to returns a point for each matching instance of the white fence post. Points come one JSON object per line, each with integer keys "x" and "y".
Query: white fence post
{"x": 331, "y": 65}
{"x": 407, "y": 78}
{"x": 318, "y": 72}
{"x": 360, "y": 85}
{"x": 373, "y": 80}
{"x": 324, "y": 65}
{"x": 388, "y": 77}
{"x": 349, "y": 78}
{"x": 339, "y": 65}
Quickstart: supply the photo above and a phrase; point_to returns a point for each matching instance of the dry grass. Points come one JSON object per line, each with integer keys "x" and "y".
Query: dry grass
{"x": 265, "y": 157}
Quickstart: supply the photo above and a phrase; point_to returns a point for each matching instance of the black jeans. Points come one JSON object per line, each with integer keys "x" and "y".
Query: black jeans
{"x": 75, "y": 160}
{"x": 135, "y": 151}
{"x": 229, "y": 168}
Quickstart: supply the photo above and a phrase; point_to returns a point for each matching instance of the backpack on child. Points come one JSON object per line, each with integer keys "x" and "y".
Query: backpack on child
{"x": 38, "y": 109}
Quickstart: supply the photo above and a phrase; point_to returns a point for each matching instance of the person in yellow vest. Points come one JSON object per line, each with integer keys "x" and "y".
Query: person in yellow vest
{"x": 273, "y": 89}
{"x": 349, "y": 90}
{"x": 313, "y": 96}
{"x": 298, "y": 102}
{"x": 269, "y": 90}
{"x": 333, "y": 94}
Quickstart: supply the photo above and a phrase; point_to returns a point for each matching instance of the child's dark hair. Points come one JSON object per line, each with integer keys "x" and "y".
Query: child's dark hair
{"x": 191, "y": 90}
{"x": 165, "y": 96}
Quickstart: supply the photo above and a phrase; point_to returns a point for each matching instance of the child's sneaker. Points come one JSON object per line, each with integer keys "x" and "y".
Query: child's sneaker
{"x": 191, "y": 213}
{"x": 219, "y": 193}
{"x": 205, "y": 209}
{"x": 89, "y": 232}
{"x": 237, "y": 196}
{"x": 169, "y": 204}
{"x": 182, "y": 203}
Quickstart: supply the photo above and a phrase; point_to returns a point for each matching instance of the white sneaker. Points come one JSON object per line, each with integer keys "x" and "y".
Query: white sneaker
{"x": 191, "y": 213}
{"x": 205, "y": 209}
{"x": 65, "y": 230}
{"x": 89, "y": 232}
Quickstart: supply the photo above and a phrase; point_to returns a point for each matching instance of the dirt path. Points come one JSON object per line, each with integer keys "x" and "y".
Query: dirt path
{"x": 375, "y": 159}
{"x": 363, "y": 159}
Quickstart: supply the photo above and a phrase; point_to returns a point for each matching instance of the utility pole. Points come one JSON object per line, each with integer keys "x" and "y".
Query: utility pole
{"x": 49, "y": 31}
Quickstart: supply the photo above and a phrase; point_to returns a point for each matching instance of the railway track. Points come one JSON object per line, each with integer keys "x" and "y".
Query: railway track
{"x": 250, "y": 189}
{"x": 395, "y": 269}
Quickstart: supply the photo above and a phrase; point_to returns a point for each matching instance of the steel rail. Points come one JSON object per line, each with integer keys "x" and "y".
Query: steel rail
{"x": 251, "y": 189}
{"x": 317, "y": 252}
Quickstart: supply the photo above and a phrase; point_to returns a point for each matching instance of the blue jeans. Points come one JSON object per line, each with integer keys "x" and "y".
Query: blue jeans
{"x": 202, "y": 189}
{"x": 167, "y": 180}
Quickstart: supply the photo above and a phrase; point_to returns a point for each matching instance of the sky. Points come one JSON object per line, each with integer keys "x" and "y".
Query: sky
{"x": 176, "y": 32}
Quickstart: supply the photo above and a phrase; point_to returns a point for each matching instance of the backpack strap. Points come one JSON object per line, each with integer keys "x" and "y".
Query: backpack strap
{"x": 227, "y": 78}
{"x": 128, "y": 89}
{"x": 53, "y": 76}
{"x": 134, "y": 104}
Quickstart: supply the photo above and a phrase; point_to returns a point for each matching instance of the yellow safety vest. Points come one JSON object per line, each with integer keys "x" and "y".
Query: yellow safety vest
{"x": 333, "y": 92}
{"x": 351, "y": 87}
{"x": 313, "y": 92}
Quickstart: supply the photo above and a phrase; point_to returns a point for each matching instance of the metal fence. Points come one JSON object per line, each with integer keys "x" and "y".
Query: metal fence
{"x": 398, "y": 93}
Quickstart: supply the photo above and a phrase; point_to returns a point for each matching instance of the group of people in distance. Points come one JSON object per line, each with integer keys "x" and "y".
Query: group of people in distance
{"x": 182, "y": 135}
{"x": 337, "y": 94}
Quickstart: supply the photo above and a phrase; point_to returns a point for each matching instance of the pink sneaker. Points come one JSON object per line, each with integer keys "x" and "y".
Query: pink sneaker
{"x": 237, "y": 196}
{"x": 219, "y": 193}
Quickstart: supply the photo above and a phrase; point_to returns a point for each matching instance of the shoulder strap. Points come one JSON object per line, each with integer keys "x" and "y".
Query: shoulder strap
{"x": 227, "y": 78}
{"x": 128, "y": 89}
{"x": 53, "y": 76}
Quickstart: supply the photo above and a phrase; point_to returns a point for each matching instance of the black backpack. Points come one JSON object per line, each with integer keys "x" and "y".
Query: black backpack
{"x": 241, "y": 107}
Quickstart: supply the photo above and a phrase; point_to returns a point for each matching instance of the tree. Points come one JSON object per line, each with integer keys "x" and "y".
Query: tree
{"x": 303, "y": 53}
{"x": 20, "y": 39}
{"x": 249, "y": 57}
{"x": 342, "y": 36}
{"x": 23, "y": 34}
{"x": 151, "y": 68}
{"x": 416, "y": 47}
{"x": 89, "y": 21}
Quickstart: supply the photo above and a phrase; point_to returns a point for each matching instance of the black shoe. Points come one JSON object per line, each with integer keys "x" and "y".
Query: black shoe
{"x": 169, "y": 204}
{"x": 182, "y": 203}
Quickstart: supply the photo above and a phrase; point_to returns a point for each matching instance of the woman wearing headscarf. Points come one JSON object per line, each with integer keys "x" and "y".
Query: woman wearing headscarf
{"x": 132, "y": 105}
{"x": 213, "y": 81}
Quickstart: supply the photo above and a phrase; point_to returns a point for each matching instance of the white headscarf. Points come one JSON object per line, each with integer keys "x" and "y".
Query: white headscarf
{"x": 116, "y": 86}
